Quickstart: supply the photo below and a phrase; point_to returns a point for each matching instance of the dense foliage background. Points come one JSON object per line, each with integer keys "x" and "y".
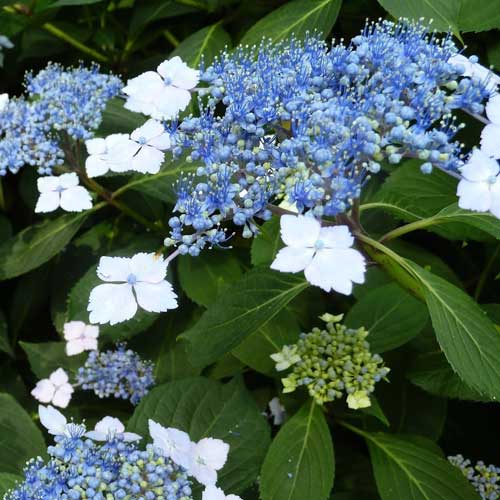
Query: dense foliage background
{"x": 48, "y": 270}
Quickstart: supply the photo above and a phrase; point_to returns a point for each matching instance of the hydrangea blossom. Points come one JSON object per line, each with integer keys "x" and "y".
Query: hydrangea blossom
{"x": 111, "y": 428}
{"x": 133, "y": 282}
{"x": 207, "y": 456}
{"x": 479, "y": 188}
{"x": 323, "y": 253}
{"x": 120, "y": 373}
{"x": 62, "y": 191}
{"x": 80, "y": 337}
{"x": 277, "y": 410}
{"x": 490, "y": 135}
{"x": 213, "y": 493}
{"x": 56, "y": 389}
{"x": 161, "y": 94}
{"x": 172, "y": 443}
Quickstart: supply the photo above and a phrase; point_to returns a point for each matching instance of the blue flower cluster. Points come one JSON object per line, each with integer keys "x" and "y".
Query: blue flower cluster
{"x": 484, "y": 478}
{"x": 307, "y": 123}
{"x": 60, "y": 105}
{"x": 79, "y": 468}
{"x": 120, "y": 373}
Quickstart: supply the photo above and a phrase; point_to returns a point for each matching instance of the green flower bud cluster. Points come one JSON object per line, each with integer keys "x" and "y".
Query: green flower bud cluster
{"x": 332, "y": 362}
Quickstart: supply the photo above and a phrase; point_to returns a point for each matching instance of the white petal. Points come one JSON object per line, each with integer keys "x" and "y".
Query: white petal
{"x": 112, "y": 304}
{"x": 490, "y": 140}
{"x": 144, "y": 86}
{"x": 96, "y": 165}
{"x": 203, "y": 474}
{"x": 68, "y": 180}
{"x": 292, "y": 259}
{"x": 172, "y": 443}
{"x": 148, "y": 160}
{"x": 131, "y": 436}
{"x": 156, "y": 297}
{"x": 59, "y": 377}
{"x": 211, "y": 492}
{"x": 179, "y": 73}
{"x": 89, "y": 344}
{"x": 170, "y": 102}
{"x": 495, "y": 199}
{"x": 73, "y": 329}
{"x": 114, "y": 268}
{"x": 53, "y": 420}
{"x": 299, "y": 231}
{"x": 96, "y": 146}
{"x": 76, "y": 199}
{"x": 91, "y": 332}
{"x": 47, "y": 202}
{"x": 113, "y": 140}
{"x": 161, "y": 142}
{"x": 480, "y": 167}
{"x": 150, "y": 130}
{"x": 96, "y": 436}
{"x": 493, "y": 109}
{"x": 74, "y": 347}
{"x": 474, "y": 195}
{"x": 48, "y": 184}
{"x": 148, "y": 267}
{"x": 139, "y": 106}
{"x": 213, "y": 451}
{"x": 4, "y": 101}
{"x": 109, "y": 426}
{"x": 62, "y": 396}
{"x": 336, "y": 237}
{"x": 119, "y": 157}
{"x": 44, "y": 391}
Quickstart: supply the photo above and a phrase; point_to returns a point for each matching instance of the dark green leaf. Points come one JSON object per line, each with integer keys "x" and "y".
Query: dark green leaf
{"x": 295, "y": 18}
{"x": 65, "y": 3}
{"x": 205, "y": 408}
{"x": 8, "y": 481}
{"x": 4, "y": 336}
{"x": 266, "y": 244}
{"x": 116, "y": 118}
{"x": 239, "y": 311}
{"x": 300, "y": 461}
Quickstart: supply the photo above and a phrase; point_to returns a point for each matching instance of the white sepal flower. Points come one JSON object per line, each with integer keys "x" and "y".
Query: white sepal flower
{"x": 277, "y": 411}
{"x": 172, "y": 443}
{"x": 475, "y": 70}
{"x": 358, "y": 400}
{"x": 136, "y": 281}
{"x": 490, "y": 135}
{"x": 151, "y": 140}
{"x": 211, "y": 492}
{"x": 5, "y": 42}
{"x": 109, "y": 428}
{"x": 207, "y": 456}
{"x": 56, "y": 389}
{"x": 161, "y": 94}
{"x": 80, "y": 337}
{"x": 479, "y": 189}
{"x": 286, "y": 357}
{"x": 4, "y": 101}
{"x": 113, "y": 153}
{"x": 62, "y": 191}
{"x": 53, "y": 420}
{"x": 323, "y": 253}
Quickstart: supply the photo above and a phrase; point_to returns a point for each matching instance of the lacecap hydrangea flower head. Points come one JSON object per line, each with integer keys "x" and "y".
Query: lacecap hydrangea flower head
{"x": 332, "y": 363}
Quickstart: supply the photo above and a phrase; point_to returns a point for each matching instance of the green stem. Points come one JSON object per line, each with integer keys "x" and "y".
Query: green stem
{"x": 74, "y": 42}
{"x": 171, "y": 38}
{"x": 193, "y": 3}
{"x": 408, "y": 228}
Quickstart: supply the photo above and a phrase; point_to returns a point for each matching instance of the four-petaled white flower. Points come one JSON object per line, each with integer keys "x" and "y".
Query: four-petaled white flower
{"x": 4, "y": 101}
{"x": 161, "y": 94}
{"x": 151, "y": 140}
{"x": 490, "y": 135}
{"x": 211, "y": 492}
{"x": 286, "y": 357}
{"x": 475, "y": 70}
{"x": 53, "y": 420}
{"x": 109, "y": 428}
{"x": 56, "y": 389}
{"x": 323, "y": 253}
{"x": 80, "y": 337}
{"x": 139, "y": 280}
{"x": 358, "y": 399}
{"x": 479, "y": 189}
{"x": 113, "y": 153}
{"x": 172, "y": 443}
{"x": 62, "y": 191}
{"x": 277, "y": 411}
{"x": 207, "y": 457}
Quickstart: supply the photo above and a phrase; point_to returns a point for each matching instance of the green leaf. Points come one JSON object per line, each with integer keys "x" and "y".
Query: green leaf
{"x": 205, "y": 408}
{"x": 21, "y": 439}
{"x": 391, "y": 315}
{"x": 203, "y": 277}
{"x": 266, "y": 244}
{"x": 403, "y": 468}
{"x": 4, "y": 336}
{"x": 432, "y": 373}
{"x": 66, "y": 3}
{"x": 300, "y": 461}
{"x": 295, "y": 18}
{"x": 255, "y": 350}
{"x": 205, "y": 43}
{"x": 46, "y": 357}
{"x": 8, "y": 481}
{"x": 37, "y": 244}
{"x": 161, "y": 185}
{"x": 239, "y": 311}
{"x": 116, "y": 118}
